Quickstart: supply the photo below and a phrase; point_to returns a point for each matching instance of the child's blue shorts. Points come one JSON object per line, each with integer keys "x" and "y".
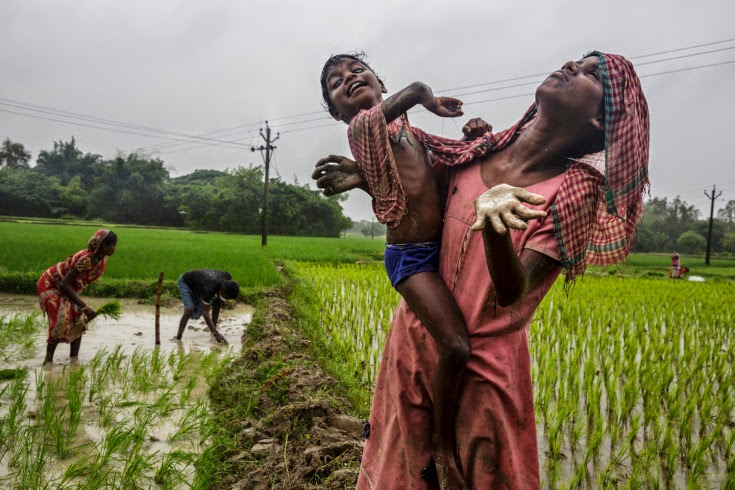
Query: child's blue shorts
{"x": 406, "y": 259}
{"x": 189, "y": 298}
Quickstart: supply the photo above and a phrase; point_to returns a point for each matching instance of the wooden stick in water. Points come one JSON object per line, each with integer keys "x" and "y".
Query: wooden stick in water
{"x": 158, "y": 308}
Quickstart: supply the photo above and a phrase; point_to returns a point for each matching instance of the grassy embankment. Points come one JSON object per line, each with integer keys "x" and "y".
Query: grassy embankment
{"x": 27, "y": 249}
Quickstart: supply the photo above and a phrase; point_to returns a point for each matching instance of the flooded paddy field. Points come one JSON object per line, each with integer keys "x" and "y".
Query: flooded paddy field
{"x": 126, "y": 414}
{"x": 634, "y": 379}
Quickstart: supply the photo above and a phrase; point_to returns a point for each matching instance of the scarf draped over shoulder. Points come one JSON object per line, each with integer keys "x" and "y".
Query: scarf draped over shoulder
{"x": 600, "y": 199}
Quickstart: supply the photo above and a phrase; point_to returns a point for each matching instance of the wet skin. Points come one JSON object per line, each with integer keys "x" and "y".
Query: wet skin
{"x": 570, "y": 121}
{"x": 353, "y": 87}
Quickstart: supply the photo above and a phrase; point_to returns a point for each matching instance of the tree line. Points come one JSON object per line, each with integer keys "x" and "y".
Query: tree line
{"x": 138, "y": 189}
{"x": 135, "y": 189}
{"x": 673, "y": 225}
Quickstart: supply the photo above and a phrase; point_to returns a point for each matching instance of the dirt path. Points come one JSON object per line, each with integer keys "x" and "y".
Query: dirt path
{"x": 283, "y": 420}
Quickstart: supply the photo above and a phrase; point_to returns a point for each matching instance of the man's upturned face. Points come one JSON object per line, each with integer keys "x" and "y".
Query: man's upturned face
{"x": 576, "y": 89}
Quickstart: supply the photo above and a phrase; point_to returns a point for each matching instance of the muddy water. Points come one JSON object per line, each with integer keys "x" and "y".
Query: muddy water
{"x": 136, "y": 329}
{"x": 133, "y": 335}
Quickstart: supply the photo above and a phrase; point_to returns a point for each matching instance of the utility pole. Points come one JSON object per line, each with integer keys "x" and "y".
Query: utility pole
{"x": 711, "y": 216}
{"x": 268, "y": 148}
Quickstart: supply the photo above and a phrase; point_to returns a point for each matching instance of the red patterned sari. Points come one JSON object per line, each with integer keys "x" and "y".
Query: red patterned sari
{"x": 54, "y": 304}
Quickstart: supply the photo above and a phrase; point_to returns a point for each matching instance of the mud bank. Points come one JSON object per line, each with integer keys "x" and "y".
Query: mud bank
{"x": 284, "y": 422}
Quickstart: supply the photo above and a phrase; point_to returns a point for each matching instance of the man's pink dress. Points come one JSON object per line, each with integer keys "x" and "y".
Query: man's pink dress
{"x": 496, "y": 428}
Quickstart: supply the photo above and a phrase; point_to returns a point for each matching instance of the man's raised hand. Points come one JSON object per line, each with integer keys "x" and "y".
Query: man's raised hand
{"x": 502, "y": 207}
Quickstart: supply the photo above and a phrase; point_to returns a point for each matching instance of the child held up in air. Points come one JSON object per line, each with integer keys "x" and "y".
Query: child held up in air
{"x": 399, "y": 176}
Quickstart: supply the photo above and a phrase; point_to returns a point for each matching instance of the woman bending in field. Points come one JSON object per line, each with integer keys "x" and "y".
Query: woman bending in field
{"x": 59, "y": 288}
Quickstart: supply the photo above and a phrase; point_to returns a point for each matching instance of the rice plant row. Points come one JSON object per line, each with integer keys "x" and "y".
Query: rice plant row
{"x": 118, "y": 421}
{"x": 355, "y": 305}
{"x": 634, "y": 380}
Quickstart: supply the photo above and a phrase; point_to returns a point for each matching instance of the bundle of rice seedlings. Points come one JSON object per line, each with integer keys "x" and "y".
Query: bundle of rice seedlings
{"x": 6, "y": 374}
{"x": 110, "y": 309}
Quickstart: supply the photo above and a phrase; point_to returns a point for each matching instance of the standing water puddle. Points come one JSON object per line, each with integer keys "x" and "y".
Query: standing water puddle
{"x": 126, "y": 414}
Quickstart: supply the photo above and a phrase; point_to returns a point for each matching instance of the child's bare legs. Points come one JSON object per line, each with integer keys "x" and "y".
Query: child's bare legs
{"x": 428, "y": 296}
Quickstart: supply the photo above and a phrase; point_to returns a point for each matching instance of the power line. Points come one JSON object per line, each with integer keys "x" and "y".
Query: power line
{"x": 82, "y": 117}
{"x": 546, "y": 73}
{"x": 683, "y": 49}
{"x": 685, "y": 56}
{"x": 225, "y": 132}
{"x": 101, "y": 127}
{"x": 531, "y": 93}
{"x": 226, "y": 143}
{"x": 496, "y": 82}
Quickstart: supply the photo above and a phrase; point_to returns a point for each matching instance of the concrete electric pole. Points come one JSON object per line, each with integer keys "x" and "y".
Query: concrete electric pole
{"x": 268, "y": 149}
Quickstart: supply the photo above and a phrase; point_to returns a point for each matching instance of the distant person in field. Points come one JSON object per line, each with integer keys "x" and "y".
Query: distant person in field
{"x": 202, "y": 290}
{"x": 579, "y": 156}
{"x": 675, "y": 266}
{"x": 399, "y": 176}
{"x": 59, "y": 288}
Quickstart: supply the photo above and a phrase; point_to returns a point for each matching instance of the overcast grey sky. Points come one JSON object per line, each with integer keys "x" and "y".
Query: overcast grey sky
{"x": 196, "y": 67}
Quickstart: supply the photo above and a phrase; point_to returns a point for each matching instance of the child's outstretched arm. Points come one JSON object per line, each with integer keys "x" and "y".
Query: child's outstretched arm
{"x": 420, "y": 93}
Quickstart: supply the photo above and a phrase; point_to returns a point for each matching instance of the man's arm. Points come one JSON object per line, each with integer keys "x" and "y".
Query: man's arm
{"x": 216, "y": 305}
{"x": 513, "y": 276}
{"x": 212, "y": 328}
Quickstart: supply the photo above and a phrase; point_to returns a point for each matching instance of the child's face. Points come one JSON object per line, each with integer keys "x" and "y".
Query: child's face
{"x": 353, "y": 87}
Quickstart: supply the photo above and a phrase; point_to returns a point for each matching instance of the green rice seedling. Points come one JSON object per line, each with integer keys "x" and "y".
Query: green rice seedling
{"x": 163, "y": 403}
{"x": 31, "y": 473}
{"x": 75, "y": 396}
{"x": 185, "y": 392}
{"x": 671, "y": 459}
{"x": 6, "y": 374}
{"x": 215, "y": 363}
{"x": 109, "y": 309}
{"x": 181, "y": 362}
{"x": 168, "y": 473}
{"x": 14, "y": 418}
{"x": 18, "y": 334}
{"x": 135, "y": 469}
{"x": 188, "y": 424}
{"x": 157, "y": 361}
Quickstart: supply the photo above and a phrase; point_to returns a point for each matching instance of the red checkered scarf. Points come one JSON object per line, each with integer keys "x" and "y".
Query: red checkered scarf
{"x": 600, "y": 199}
{"x": 595, "y": 215}
{"x": 370, "y": 138}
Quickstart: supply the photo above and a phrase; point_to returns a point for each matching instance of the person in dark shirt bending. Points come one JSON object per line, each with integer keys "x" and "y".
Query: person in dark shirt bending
{"x": 201, "y": 290}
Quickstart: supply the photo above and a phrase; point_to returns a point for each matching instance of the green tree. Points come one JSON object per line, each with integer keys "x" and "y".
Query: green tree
{"x": 663, "y": 223}
{"x": 691, "y": 242}
{"x": 66, "y": 161}
{"x": 74, "y": 198}
{"x": 728, "y": 242}
{"x": 28, "y": 193}
{"x": 14, "y": 155}
{"x": 221, "y": 201}
{"x": 727, "y": 213}
{"x": 299, "y": 210}
{"x": 132, "y": 189}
